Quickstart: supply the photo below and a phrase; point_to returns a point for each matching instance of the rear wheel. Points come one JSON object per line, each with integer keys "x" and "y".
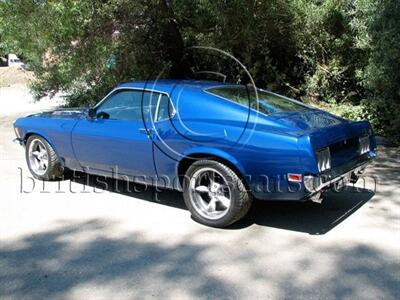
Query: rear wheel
{"x": 214, "y": 194}
{"x": 41, "y": 159}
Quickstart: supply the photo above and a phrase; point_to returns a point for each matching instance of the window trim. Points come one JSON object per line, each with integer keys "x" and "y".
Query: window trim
{"x": 142, "y": 90}
{"x": 158, "y": 110}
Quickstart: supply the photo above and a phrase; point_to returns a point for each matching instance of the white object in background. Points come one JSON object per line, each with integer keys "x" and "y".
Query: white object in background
{"x": 14, "y": 61}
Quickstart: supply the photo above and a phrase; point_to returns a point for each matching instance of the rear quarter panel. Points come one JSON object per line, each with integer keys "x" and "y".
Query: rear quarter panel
{"x": 259, "y": 149}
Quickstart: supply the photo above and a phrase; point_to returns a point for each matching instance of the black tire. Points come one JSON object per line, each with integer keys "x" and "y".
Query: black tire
{"x": 240, "y": 200}
{"x": 54, "y": 169}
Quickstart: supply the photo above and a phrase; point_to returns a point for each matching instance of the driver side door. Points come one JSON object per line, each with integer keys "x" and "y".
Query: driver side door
{"x": 116, "y": 140}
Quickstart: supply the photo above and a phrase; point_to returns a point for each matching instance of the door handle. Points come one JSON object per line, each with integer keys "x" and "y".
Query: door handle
{"x": 147, "y": 131}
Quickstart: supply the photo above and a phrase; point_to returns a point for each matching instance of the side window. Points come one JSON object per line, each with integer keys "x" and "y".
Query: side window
{"x": 127, "y": 105}
{"x": 118, "y": 106}
{"x": 150, "y": 100}
{"x": 165, "y": 109}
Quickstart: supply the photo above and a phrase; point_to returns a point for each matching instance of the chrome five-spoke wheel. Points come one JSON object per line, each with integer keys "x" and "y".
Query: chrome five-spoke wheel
{"x": 210, "y": 193}
{"x": 42, "y": 159}
{"x": 215, "y": 194}
{"x": 38, "y": 157}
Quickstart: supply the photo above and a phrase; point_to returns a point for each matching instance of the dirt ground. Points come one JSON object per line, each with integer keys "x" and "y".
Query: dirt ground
{"x": 15, "y": 96}
{"x": 13, "y": 76}
{"x": 74, "y": 240}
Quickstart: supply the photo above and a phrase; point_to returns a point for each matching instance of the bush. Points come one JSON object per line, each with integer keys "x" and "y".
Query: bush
{"x": 383, "y": 115}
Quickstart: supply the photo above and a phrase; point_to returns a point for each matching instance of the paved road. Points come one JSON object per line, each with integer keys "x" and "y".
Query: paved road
{"x": 70, "y": 240}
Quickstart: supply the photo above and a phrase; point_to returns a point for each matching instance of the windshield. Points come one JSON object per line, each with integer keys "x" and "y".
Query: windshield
{"x": 268, "y": 103}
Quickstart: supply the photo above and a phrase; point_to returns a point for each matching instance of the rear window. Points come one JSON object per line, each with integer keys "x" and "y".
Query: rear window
{"x": 268, "y": 103}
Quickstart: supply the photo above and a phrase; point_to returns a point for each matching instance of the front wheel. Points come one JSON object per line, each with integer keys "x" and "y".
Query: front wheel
{"x": 41, "y": 159}
{"x": 214, "y": 194}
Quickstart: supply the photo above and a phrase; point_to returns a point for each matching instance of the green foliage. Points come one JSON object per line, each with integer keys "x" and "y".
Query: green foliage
{"x": 344, "y": 54}
{"x": 326, "y": 47}
{"x": 383, "y": 115}
{"x": 378, "y": 36}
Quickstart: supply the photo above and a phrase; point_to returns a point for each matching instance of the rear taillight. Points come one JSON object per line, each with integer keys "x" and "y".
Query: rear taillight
{"x": 324, "y": 159}
{"x": 363, "y": 144}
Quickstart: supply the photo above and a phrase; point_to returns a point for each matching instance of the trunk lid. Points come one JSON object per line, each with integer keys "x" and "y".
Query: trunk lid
{"x": 326, "y": 130}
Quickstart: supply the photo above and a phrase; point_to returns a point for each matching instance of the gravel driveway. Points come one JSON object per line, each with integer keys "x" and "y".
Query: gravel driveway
{"x": 73, "y": 240}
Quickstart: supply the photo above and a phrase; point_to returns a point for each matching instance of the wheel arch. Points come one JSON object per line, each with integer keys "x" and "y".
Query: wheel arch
{"x": 220, "y": 156}
{"x": 46, "y": 138}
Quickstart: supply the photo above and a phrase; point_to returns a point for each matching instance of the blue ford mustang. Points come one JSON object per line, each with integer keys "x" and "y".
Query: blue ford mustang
{"x": 221, "y": 144}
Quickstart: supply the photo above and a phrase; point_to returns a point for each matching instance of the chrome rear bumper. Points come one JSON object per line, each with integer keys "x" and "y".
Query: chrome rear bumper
{"x": 315, "y": 184}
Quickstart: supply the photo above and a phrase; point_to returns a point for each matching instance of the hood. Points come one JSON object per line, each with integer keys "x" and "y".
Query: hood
{"x": 69, "y": 113}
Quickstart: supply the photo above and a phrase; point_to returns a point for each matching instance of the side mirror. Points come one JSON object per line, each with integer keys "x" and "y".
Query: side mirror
{"x": 103, "y": 115}
{"x": 92, "y": 113}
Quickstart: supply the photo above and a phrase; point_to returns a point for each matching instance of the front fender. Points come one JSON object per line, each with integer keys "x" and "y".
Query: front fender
{"x": 56, "y": 131}
{"x": 47, "y": 138}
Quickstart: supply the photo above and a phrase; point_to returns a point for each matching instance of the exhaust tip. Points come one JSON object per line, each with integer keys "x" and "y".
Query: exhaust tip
{"x": 317, "y": 198}
{"x": 354, "y": 177}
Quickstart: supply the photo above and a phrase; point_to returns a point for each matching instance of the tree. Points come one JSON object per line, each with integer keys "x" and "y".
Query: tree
{"x": 343, "y": 53}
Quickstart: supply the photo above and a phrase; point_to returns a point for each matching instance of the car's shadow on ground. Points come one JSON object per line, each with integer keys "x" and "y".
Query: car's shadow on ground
{"x": 308, "y": 217}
